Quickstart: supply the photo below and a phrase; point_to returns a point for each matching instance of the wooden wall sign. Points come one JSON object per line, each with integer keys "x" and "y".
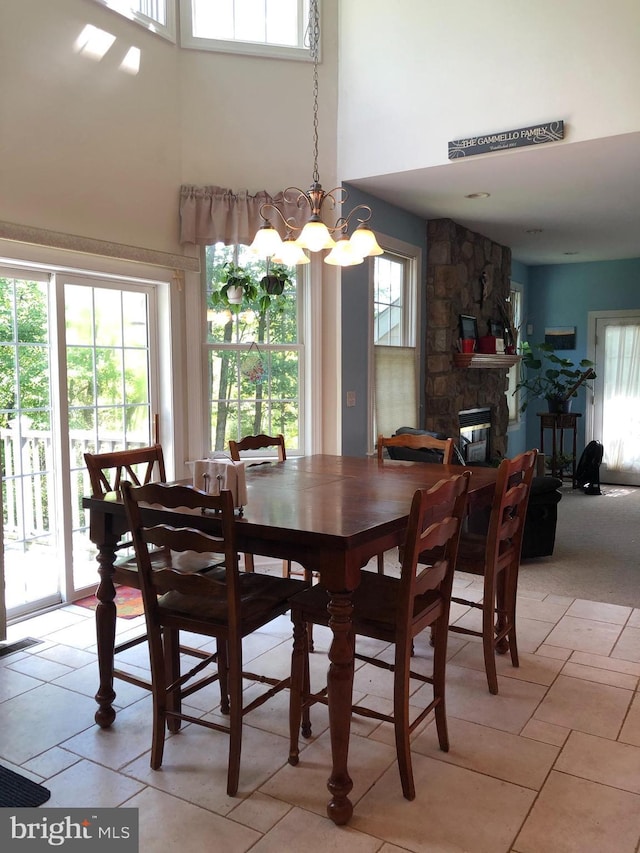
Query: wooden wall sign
{"x": 534, "y": 135}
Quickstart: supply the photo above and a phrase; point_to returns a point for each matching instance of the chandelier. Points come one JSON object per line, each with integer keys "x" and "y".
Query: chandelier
{"x": 316, "y": 235}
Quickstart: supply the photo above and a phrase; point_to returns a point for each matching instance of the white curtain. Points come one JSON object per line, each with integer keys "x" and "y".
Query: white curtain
{"x": 621, "y": 419}
{"x": 211, "y": 215}
{"x": 396, "y": 387}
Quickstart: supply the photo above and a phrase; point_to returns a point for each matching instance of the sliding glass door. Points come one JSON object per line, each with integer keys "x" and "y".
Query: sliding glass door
{"x": 75, "y": 376}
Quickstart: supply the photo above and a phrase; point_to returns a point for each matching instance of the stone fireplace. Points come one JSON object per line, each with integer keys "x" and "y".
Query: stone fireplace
{"x": 466, "y": 274}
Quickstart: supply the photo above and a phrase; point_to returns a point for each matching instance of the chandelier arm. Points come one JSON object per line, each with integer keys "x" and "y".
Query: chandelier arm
{"x": 361, "y": 220}
{"x": 288, "y": 223}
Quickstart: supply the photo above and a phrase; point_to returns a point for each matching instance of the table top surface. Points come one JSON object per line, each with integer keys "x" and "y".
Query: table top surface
{"x": 332, "y": 495}
{"x": 336, "y": 504}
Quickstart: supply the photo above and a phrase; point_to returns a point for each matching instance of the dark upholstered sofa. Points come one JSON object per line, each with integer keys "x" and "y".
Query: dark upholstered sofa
{"x": 542, "y": 513}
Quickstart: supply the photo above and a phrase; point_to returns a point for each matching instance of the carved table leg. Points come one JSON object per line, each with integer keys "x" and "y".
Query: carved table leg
{"x": 106, "y": 635}
{"x": 340, "y": 695}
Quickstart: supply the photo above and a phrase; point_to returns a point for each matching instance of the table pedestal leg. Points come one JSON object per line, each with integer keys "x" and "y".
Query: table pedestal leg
{"x": 340, "y": 695}
{"x": 106, "y": 636}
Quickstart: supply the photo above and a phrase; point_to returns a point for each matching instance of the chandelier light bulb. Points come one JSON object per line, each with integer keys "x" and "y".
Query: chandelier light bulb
{"x": 315, "y": 236}
{"x": 290, "y": 254}
{"x": 342, "y": 255}
{"x": 267, "y": 241}
{"x": 363, "y": 242}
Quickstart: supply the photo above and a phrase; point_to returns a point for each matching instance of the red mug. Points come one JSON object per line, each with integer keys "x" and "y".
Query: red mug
{"x": 468, "y": 344}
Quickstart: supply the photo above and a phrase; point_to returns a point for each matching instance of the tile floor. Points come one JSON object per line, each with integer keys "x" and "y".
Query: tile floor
{"x": 550, "y": 765}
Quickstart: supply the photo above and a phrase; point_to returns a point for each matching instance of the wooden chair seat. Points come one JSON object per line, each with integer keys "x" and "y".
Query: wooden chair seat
{"x": 227, "y": 605}
{"x": 496, "y": 557}
{"x": 207, "y": 603}
{"x": 393, "y": 610}
{"x": 375, "y": 606}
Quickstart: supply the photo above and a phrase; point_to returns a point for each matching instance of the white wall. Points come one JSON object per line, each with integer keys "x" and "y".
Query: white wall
{"x": 86, "y": 148}
{"x": 414, "y": 75}
{"x": 90, "y": 150}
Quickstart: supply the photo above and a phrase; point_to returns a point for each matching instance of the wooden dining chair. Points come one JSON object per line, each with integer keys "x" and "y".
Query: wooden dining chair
{"x": 443, "y": 447}
{"x": 226, "y": 606}
{"x": 259, "y": 442}
{"x": 495, "y": 555}
{"x": 107, "y": 472}
{"x": 393, "y": 610}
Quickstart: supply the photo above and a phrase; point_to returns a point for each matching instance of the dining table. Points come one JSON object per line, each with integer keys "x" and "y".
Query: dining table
{"x": 332, "y": 514}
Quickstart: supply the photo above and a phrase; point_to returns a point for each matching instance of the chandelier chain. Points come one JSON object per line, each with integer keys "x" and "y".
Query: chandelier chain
{"x": 316, "y": 235}
{"x": 314, "y": 49}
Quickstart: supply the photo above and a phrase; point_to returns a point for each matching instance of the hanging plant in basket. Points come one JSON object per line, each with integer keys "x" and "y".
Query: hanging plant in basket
{"x": 272, "y": 285}
{"x": 235, "y": 288}
{"x": 253, "y": 367}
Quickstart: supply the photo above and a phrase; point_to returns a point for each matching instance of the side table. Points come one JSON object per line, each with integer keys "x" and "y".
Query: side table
{"x": 558, "y": 423}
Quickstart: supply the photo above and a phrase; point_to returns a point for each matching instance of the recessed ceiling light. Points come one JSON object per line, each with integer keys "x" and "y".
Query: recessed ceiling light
{"x": 478, "y": 195}
{"x": 533, "y": 231}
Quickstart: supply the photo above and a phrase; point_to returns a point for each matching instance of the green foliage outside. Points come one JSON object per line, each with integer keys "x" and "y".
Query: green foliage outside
{"x": 107, "y": 375}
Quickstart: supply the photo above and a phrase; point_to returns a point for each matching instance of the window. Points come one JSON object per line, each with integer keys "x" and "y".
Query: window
{"x": 265, "y": 27}
{"x": 276, "y": 28}
{"x": 254, "y": 357}
{"x": 395, "y": 354}
{"x": 159, "y": 16}
{"x": 513, "y": 401}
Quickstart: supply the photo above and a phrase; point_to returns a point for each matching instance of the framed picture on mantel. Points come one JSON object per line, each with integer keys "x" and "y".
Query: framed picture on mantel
{"x": 468, "y": 327}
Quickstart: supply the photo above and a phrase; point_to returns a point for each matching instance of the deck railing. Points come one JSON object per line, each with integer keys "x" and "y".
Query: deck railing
{"x": 29, "y": 489}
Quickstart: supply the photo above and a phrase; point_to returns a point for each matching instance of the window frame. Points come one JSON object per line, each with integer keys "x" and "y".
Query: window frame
{"x": 411, "y": 323}
{"x": 300, "y": 53}
{"x": 166, "y": 31}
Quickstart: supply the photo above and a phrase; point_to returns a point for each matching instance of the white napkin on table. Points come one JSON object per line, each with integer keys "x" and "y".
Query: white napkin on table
{"x": 214, "y": 475}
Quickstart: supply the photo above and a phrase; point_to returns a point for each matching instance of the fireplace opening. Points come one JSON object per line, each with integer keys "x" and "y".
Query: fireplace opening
{"x": 475, "y": 435}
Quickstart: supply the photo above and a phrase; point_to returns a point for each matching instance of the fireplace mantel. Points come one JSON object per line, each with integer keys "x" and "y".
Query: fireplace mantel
{"x": 480, "y": 359}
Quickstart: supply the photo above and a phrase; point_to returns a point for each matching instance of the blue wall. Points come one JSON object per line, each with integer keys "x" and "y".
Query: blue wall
{"x": 397, "y": 223}
{"x": 563, "y": 295}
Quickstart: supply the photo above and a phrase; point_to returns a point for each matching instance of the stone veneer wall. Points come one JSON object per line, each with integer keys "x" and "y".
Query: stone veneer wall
{"x": 456, "y": 260}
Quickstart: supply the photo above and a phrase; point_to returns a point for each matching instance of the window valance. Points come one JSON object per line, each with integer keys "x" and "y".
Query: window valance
{"x": 211, "y": 215}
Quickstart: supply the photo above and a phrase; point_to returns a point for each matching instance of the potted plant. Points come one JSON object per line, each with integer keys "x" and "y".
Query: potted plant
{"x": 276, "y": 279}
{"x": 551, "y": 377}
{"x": 237, "y": 287}
{"x": 272, "y": 285}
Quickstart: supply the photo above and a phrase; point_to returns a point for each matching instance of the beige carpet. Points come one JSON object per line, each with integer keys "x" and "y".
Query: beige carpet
{"x": 597, "y": 553}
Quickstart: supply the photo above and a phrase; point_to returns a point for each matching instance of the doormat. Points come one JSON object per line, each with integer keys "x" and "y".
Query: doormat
{"x": 128, "y": 602}
{"x": 10, "y": 648}
{"x": 18, "y": 792}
